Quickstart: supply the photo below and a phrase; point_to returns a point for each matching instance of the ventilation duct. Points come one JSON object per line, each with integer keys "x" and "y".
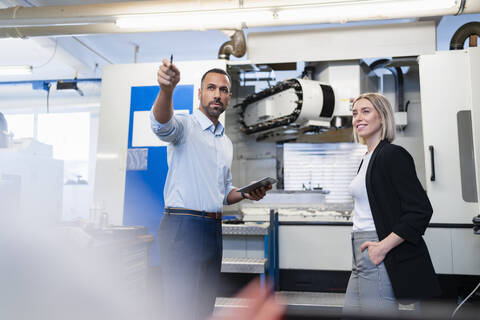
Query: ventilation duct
{"x": 236, "y": 46}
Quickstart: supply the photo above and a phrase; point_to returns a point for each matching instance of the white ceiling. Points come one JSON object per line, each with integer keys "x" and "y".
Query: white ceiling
{"x": 84, "y": 55}
{"x": 61, "y": 57}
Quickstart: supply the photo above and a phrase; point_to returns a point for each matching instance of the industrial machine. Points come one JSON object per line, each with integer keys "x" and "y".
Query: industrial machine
{"x": 441, "y": 133}
{"x": 297, "y": 130}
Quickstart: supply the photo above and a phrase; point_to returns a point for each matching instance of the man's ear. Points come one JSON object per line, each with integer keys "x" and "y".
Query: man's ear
{"x": 229, "y": 97}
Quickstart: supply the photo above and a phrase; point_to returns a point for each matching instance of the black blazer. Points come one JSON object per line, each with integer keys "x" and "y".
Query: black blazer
{"x": 400, "y": 204}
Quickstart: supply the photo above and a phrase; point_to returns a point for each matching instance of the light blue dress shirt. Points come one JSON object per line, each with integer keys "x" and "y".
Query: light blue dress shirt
{"x": 199, "y": 162}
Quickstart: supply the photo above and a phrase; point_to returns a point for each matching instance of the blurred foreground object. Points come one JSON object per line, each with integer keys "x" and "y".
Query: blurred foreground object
{"x": 259, "y": 303}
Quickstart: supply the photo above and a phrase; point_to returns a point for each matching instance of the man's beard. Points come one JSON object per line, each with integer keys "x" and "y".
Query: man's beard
{"x": 214, "y": 111}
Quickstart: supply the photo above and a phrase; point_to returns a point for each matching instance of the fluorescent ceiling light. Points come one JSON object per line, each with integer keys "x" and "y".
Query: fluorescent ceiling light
{"x": 324, "y": 12}
{"x": 198, "y": 20}
{"x": 15, "y": 70}
{"x": 365, "y": 10}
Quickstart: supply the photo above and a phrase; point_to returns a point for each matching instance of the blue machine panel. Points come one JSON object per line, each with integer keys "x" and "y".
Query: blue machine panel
{"x": 144, "y": 202}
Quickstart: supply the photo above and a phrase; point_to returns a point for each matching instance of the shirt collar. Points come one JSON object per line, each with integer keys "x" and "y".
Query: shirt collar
{"x": 206, "y": 123}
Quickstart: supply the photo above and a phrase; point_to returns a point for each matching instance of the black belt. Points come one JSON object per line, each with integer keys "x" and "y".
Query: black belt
{"x": 183, "y": 211}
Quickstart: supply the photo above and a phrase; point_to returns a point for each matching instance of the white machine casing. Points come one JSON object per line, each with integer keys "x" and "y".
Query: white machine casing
{"x": 449, "y": 82}
{"x": 348, "y": 79}
{"x": 447, "y": 85}
{"x": 332, "y": 94}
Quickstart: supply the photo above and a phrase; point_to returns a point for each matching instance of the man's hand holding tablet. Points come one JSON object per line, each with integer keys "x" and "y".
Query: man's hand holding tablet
{"x": 257, "y": 190}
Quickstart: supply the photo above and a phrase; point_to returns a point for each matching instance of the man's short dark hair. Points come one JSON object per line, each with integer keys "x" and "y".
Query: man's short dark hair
{"x": 216, "y": 70}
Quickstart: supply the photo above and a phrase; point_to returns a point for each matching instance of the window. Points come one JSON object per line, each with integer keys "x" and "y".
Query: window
{"x": 69, "y": 134}
{"x": 20, "y": 125}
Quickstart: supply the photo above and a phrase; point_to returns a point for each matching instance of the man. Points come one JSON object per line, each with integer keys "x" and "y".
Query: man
{"x": 198, "y": 184}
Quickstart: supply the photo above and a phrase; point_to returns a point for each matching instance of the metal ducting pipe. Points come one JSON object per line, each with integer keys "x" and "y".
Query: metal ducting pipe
{"x": 236, "y": 46}
{"x": 465, "y": 31}
{"x": 101, "y": 12}
{"x": 45, "y": 31}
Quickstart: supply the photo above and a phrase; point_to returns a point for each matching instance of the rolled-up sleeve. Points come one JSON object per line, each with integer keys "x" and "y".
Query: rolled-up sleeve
{"x": 172, "y": 131}
{"x": 228, "y": 186}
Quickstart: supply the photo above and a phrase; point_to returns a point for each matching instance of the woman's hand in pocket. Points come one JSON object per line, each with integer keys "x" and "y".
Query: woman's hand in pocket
{"x": 376, "y": 252}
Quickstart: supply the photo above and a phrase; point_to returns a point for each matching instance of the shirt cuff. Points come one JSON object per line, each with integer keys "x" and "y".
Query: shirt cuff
{"x": 157, "y": 126}
{"x": 230, "y": 188}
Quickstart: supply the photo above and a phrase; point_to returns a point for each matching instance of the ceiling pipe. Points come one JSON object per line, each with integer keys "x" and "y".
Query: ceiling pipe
{"x": 53, "y": 31}
{"x": 39, "y": 83}
{"x": 100, "y": 13}
{"x": 236, "y": 46}
{"x": 22, "y": 22}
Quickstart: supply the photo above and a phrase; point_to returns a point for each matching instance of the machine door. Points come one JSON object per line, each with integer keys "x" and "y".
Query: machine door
{"x": 448, "y": 112}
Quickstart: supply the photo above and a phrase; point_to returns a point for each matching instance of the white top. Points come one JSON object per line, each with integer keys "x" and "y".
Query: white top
{"x": 362, "y": 214}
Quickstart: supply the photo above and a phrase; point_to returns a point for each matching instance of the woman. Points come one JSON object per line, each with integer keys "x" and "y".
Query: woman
{"x": 391, "y": 212}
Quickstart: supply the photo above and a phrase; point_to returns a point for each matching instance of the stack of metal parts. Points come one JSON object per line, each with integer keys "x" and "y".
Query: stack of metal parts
{"x": 244, "y": 248}
{"x": 296, "y": 206}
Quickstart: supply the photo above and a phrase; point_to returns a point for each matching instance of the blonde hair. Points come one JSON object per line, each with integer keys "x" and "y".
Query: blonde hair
{"x": 384, "y": 109}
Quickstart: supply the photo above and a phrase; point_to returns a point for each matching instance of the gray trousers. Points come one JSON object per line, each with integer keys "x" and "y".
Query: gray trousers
{"x": 369, "y": 289}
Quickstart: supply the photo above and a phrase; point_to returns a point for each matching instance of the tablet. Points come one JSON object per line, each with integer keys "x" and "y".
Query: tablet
{"x": 261, "y": 183}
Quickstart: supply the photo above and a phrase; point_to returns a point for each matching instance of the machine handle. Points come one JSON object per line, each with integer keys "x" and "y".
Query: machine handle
{"x": 432, "y": 159}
